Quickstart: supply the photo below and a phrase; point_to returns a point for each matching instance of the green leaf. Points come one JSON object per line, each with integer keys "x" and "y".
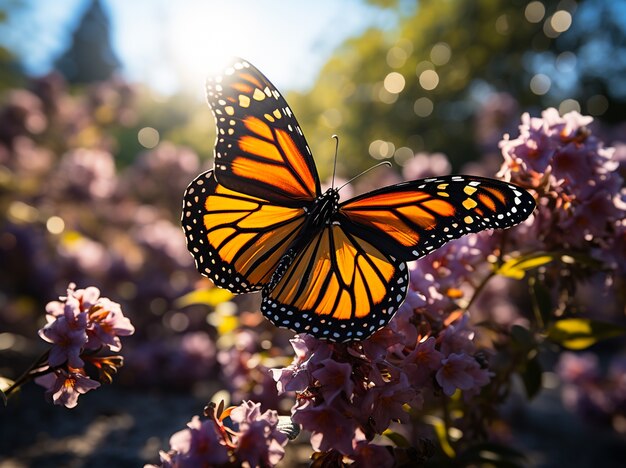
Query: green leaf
{"x": 517, "y": 267}
{"x": 532, "y": 376}
{"x": 440, "y": 429}
{"x": 211, "y": 297}
{"x": 580, "y": 333}
{"x": 541, "y": 301}
{"x": 522, "y": 338}
{"x": 398, "y": 439}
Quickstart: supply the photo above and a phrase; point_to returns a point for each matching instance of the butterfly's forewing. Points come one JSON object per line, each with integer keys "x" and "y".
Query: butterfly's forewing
{"x": 260, "y": 149}
{"x": 337, "y": 287}
{"x": 236, "y": 239}
{"x": 411, "y": 219}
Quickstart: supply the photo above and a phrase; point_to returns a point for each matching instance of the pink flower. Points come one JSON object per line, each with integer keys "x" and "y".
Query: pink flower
{"x": 576, "y": 180}
{"x": 83, "y": 320}
{"x": 387, "y": 403}
{"x": 420, "y": 363}
{"x": 79, "y": 321}
{"x": 460, "y": 371}
{"x": 401, "y": 323}
{"x": 334, "y": 378}
{"x": 458, "y": 337}
{"x": 368, "y": 455}
{"x": 106, "y": 324}
{"x": 259, "y": 443}
{"x": 198, "y": 445}
{"x": 425, "y": 354}
{"x": 297, "y": 376}
{"x": 66, "y": 331}
{"x": 65, "y": 387}
{"x": 331, "y": 429}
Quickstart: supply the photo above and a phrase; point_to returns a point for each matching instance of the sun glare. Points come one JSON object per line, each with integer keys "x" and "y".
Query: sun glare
{"x": 202, "y": 38}
{"x": 176, "y": 45}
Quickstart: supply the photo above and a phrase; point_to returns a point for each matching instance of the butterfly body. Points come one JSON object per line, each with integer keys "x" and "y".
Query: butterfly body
{"x": 336, "y": 270}
{"x": 324, "y": 209}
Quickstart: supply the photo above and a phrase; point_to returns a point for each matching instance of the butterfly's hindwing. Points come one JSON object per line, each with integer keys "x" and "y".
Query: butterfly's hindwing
{"x": 337, "y": 287}
{"x": 414, "y": 218}
{"x": 236, "y": 239}
{"x": 260, "y": 149}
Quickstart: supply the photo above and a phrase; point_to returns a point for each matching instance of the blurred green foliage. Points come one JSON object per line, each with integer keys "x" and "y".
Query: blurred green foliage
{"x": 421, "y": 84}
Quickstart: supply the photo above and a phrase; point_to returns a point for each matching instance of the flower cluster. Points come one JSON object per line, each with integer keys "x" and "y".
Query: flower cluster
{"x": 346, "y": 394}
{"x": 232, "y": 437}
{"x": 79, "y": 327}
{"x": 598, "y": 398}
{"x": 82, "y": 201}
{"x": 581, "y": 205}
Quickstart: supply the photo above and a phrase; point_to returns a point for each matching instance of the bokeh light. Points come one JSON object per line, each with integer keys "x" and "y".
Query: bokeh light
{"x": 534, "y": 12}
{"x": 569, "y": 105}
{"x": 148, "y": 137}
{"x": 55, "y": 225}
{"x": 396, "y": 57}
{"x": 380, "y": 149}
{"x": 423, "y": 107}
{"x": 403, "y": 155}
{"x": 381, "y": 94}
{"x": 540, "y": 84}
{"x": 561, "y": 21}
{"x": 440, "y": 53}
{"x": 394, "y": 82}
{"x": 502, "y": 24}
{"x": 429, "y": 79}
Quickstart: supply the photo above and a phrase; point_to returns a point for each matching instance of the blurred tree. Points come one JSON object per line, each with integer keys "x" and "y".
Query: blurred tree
{"x": 11, "y": 72}
{"x": 418, "y": 85}
{"x": 90, "y": 56}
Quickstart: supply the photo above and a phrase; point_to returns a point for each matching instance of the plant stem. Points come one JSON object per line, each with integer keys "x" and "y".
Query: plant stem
{"x": 28, "y": 374}
{"x": 535, "y": 303}
{"x": 479, "y": 288}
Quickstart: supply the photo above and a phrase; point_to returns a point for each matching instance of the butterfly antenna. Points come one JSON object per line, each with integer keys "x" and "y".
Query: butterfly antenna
{"x": 384, "y": 163}
{"x": 335, "y": 163}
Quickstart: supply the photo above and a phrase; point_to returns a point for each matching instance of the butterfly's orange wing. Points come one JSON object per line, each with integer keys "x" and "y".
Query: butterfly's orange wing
{"x": 337, "y": 286}
{"x": 240, "y": 218}
{"x": 260, "y": 149}
{"x": 411, "y": 219}
{"x": 236, "y": 239}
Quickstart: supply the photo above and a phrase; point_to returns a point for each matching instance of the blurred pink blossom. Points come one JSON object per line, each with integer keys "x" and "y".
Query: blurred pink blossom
{"x": 65, "y": 387}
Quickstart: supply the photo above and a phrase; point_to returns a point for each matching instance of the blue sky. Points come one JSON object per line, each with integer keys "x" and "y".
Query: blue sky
{"x": 170, "y": 45}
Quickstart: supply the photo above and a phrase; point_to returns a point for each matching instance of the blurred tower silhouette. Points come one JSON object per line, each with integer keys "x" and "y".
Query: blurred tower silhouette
{"x": 90, "y": 56}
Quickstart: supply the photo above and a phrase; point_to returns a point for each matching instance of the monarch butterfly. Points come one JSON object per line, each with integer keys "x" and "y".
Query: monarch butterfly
{"x": 337, "y": 271}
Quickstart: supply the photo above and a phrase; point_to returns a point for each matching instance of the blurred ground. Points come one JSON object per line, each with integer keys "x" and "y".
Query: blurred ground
{"x": 117, "y": 427}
